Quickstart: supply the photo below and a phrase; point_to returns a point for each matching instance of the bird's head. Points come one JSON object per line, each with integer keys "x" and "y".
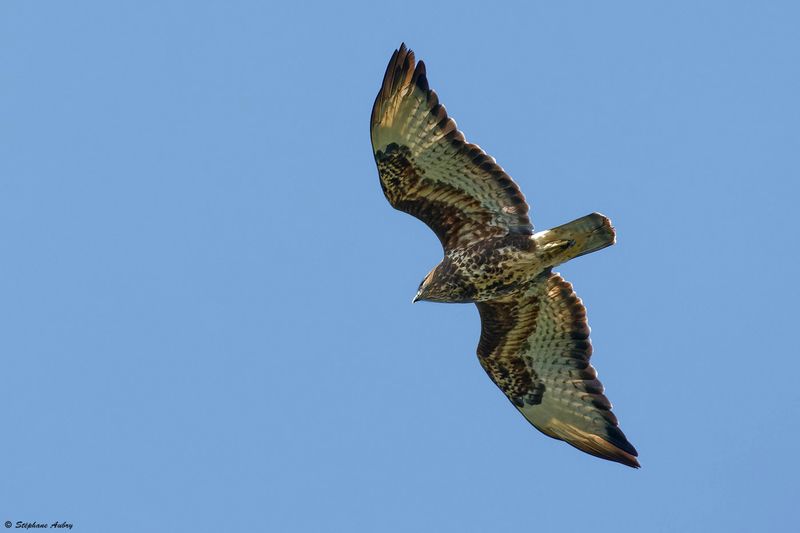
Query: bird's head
{"x": 426, "y": 287}
{"x": 443, "y": 284}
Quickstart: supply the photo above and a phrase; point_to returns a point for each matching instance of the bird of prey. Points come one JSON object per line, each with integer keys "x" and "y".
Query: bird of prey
{"x": 534, "y": 341}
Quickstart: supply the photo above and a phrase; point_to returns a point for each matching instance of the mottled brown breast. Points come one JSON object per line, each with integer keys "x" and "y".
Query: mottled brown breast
{"x": 496, "y": 266}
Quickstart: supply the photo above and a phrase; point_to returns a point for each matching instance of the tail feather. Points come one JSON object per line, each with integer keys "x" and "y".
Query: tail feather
{"x": 579, "y": 237}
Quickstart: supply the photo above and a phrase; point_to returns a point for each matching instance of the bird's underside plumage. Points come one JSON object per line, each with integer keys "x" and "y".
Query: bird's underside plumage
{"x": 534, "y": 341}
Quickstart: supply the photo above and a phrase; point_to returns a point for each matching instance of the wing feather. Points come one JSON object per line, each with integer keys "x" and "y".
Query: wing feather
{"x": 428, "y": 170}
{"x": 535, "y": 347}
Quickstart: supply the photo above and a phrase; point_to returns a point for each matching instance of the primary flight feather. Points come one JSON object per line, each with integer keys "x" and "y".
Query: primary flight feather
{"x": 534, "y": 341}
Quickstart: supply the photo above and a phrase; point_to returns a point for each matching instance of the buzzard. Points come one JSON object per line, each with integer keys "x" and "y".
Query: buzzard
{"x": 534, "y": 341}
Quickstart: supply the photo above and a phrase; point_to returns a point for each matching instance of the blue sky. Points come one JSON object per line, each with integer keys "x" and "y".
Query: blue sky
{"x": 205, "y": 298}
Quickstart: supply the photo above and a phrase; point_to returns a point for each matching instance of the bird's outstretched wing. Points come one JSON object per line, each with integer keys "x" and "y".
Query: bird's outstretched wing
{"x": 428, "y": 170}
{"x": 535, "y": 347}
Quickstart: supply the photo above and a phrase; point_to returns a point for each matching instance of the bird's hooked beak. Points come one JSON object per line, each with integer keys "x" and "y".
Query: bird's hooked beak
{"x": 418, "y": 297}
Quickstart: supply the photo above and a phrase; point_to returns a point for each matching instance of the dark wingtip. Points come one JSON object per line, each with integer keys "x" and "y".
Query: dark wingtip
{"x": 397, "y": 71}
{"x": 609, "y": 452}
{"x": 624, "y": 454}
{"x": 420, "y": 76}
{"x": 627, "y": 460}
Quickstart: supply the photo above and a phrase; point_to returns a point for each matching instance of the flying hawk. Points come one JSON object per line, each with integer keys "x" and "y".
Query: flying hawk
{"x": 534, "y": 341}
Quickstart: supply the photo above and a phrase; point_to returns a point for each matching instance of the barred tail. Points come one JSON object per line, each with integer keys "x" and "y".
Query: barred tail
{"x": 579, "y": 237}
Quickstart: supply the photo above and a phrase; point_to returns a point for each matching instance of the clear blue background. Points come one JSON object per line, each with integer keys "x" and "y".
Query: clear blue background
{"x": 205, "y": 307}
